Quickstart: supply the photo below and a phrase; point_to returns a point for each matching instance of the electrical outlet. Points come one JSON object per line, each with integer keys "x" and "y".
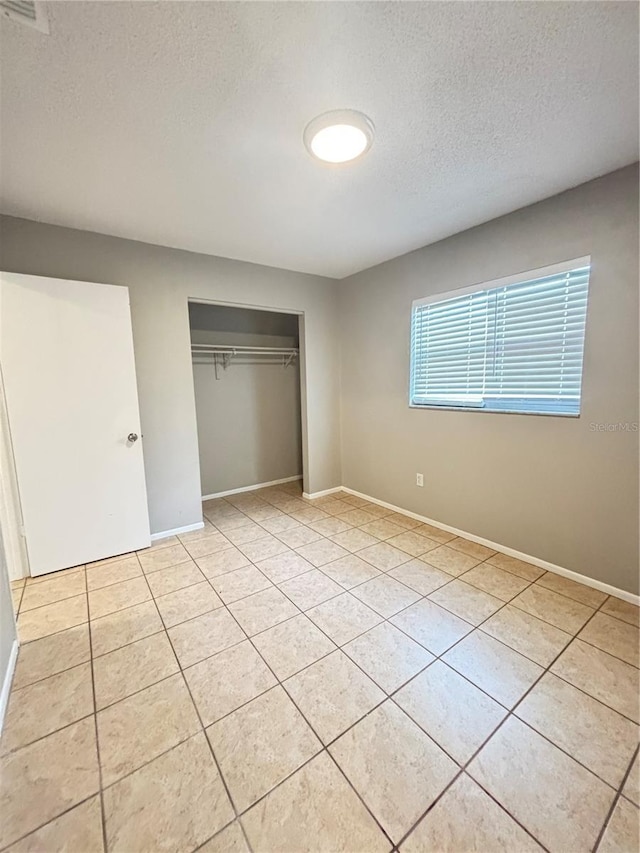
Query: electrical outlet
{"x": 419, "y": 480}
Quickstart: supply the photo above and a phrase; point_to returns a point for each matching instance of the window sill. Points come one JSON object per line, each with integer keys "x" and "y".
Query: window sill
{"x": 486, "y": 410}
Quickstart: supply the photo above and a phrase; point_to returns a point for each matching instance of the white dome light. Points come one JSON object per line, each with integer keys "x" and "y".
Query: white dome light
{"x": 339, "y": 136}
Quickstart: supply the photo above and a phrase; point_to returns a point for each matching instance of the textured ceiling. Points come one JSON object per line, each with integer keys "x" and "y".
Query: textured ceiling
{"x": 180, "y": 123}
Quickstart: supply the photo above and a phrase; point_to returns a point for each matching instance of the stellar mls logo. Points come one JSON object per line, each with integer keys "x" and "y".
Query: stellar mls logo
{"x": 621, "y": 426}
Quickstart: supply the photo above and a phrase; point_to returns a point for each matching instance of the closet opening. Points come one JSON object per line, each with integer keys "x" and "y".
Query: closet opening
{"x": 248, "y": 395}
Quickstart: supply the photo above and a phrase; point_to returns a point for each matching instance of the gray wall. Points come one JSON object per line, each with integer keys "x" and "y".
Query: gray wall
{"x": 249, "y": 429}
{"x": 161, "y": 281}
{"x": 242, "y": 321}
{"x": 550, "y": 487}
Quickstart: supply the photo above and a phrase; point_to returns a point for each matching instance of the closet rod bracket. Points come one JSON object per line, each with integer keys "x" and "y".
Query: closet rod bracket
{"x": 225, "y": 354}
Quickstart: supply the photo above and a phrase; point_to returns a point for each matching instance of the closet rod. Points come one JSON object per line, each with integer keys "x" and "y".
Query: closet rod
{"x": 197, "y": 349}
{"x": 228, "y": 352}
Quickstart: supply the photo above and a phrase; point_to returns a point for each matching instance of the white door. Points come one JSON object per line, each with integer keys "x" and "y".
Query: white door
{"x": 67, "y": 359}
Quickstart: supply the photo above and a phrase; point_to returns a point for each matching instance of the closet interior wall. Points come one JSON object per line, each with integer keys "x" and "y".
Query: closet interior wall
{"x": 249, "y": 423}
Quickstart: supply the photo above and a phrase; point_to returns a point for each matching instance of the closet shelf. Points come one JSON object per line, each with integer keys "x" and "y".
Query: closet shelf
{"x": 221, "y": 354}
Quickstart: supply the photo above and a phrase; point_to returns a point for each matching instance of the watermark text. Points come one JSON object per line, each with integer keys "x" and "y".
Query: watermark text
{"x": 620, "y": 426}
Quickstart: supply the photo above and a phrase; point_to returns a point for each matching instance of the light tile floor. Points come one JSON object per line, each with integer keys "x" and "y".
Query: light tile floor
{"x": 325, "y": 676}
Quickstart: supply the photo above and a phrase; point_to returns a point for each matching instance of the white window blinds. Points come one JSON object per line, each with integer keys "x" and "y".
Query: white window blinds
{"x": 515, "y": 345}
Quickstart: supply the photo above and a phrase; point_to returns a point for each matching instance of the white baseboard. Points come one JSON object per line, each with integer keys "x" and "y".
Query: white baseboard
{"x": 164, "y": 534}
{"x": 251, "y": 488}
{"x": 511, "y": 552}
{"x": 496, "y": 546}
{"x": 6, "y": 684}
{"x": 313, "y": 495}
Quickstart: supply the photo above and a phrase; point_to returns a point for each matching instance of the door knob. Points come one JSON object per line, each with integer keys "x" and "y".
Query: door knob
{"x": 133, "y": 436}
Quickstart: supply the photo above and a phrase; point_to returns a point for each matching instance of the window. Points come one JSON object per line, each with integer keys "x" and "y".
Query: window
{"x": 512, "y": 345}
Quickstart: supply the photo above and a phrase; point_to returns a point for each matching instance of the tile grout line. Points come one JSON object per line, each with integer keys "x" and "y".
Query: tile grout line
{"x": 95, "y": 721}
{"x": 53, "y": 731}
{"x": 510, "y": 601}
{"x": 47, "y": 603}
{"x": 58, "y": 672}
{"x": 383, "y": 620}
{"x": 371, "y": 710}
{"x": 97, "y": 745}
{"x": 203, "y": 730}
{"x": 65, "y": 811}
{"x": 388, "y": 695}
{"x": 478, "y": 750}
{"x": 616, "y": 800}
{"x": 510, "y": 713}
{"x": 324, "y": 748}
{"x": 458, "y": 577}
{"x": 337, "y": 595}
{"x": 89, "y": 796}
{"x": 546, "y": 669}
{"x": 453, "y": 538}
{"x": 337, "y": 647}
{"x": 481, "y": 562}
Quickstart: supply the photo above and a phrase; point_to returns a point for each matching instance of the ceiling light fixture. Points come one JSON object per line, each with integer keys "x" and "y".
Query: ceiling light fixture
{"x": 339, "y": 136}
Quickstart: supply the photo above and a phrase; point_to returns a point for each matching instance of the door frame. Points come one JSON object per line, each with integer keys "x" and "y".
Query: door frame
{"x": 15, "y": 543}
{"x": 302, "y": 365}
